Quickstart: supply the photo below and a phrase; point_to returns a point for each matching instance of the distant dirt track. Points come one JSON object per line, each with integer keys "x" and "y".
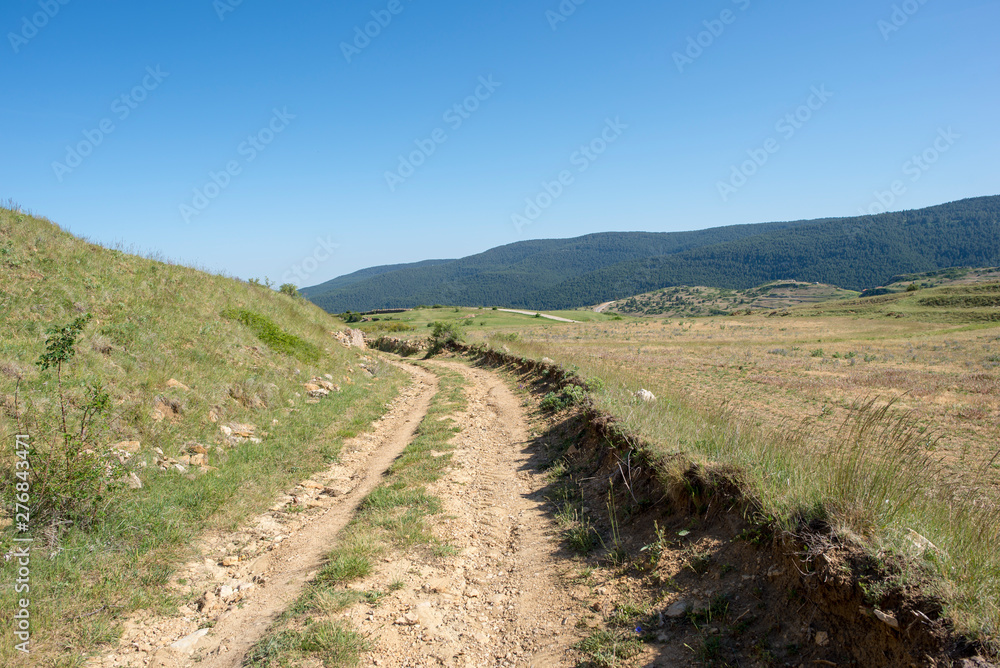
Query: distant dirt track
{"x": 550, "y": 317}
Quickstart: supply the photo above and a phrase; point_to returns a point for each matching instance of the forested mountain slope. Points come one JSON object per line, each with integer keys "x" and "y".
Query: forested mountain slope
{"x": 852, "y": 253}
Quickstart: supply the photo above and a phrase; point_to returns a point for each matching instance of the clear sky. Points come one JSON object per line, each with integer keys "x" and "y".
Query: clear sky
{"x": 265, "y": 139}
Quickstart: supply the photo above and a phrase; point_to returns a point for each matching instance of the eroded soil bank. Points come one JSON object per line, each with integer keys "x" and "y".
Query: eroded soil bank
{"x": 683, "y": 565}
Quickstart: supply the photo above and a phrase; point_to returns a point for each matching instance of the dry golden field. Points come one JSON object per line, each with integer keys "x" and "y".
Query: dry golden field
{"x": 794, "y": 371}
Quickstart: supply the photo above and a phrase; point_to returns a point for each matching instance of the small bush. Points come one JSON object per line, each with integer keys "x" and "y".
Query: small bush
{"x": 289, "y": 289}
{"x": 72, "y": 481}
{"x": 569, "y": 396}
{"x": 444, "y": 335}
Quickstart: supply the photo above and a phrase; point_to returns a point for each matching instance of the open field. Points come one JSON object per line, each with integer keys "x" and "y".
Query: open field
{"x": 810, "y": 370}
{"x": 414, "y": 323}
{"x": 786, "y": 397}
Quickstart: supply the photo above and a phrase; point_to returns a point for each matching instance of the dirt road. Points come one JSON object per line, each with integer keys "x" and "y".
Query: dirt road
{"x": 246, "y": 596}
{"x": 540, "y": 315}
{"x": 497, "y": 599}
{"x": 501, "y": 600}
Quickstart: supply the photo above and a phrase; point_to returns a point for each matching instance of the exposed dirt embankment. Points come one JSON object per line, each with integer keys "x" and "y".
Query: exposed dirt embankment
{"x": 684, "y": 556}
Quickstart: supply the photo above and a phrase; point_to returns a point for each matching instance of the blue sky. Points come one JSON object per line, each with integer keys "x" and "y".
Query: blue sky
{"x": 245, "y": 137}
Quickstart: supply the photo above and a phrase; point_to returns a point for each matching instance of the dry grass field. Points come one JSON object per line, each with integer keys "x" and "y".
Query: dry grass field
{"x": 810, "y": 371}
{"x": 887, "y": 429}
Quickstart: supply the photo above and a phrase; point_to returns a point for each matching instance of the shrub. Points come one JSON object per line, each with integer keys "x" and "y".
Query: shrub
{"x": 71, "y": 483}
{"x": 289, "y": 289}
{"x": 444, "y": 335}
{"x": 569, "y": 396}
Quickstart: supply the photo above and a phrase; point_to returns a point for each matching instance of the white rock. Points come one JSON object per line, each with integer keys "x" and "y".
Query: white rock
{"x": 645, "y": 395}
{"x": 133, "y": 481}
{"x": 225, "y": 591}
{"x": 187, "y": 643}
{"x": 678, "y": 609}
{"x": 888, "y": 619}
{"x": 920, "y": 544}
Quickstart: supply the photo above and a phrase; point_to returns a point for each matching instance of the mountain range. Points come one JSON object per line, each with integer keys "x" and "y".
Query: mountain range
{"x": 853, "y": 253}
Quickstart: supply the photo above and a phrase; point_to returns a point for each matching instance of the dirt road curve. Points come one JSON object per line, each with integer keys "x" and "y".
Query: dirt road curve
{"x": 603, "y": 307}
{"x": 500, "y": 601}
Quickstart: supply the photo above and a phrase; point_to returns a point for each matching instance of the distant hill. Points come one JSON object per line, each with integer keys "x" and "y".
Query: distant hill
{"x": 853, "y": 253}
{"x": 967, "y": 295}
{"x": 933, "y": 279}
{"x": 358, "y": 276}
{"x": 683, "y": 301}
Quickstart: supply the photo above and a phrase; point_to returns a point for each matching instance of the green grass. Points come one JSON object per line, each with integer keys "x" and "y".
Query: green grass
{"x": 332, "y": 643}
{"x": 274, "y": 336}
{"x": 154, "y": 321}
{"x": 610, "y": 648}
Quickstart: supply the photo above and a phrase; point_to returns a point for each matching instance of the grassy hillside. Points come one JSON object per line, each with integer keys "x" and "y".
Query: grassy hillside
{"x": 683, "y": 301}
{"x": 965, "y": 301}
{"x": 933, "y": 279}
{"x": 853, "y": 253}
{"x": 169, "y": 358}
